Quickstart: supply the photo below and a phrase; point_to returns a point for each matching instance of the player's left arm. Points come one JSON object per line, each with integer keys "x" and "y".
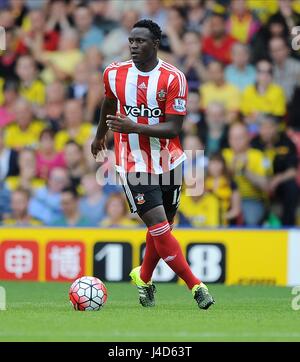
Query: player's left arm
{"x": 169, "y": 129}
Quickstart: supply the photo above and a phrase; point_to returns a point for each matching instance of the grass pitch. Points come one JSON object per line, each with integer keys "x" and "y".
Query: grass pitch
{"x": 41, "y": 312}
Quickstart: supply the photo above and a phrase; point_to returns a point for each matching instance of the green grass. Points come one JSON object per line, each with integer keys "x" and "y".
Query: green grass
{"x": 41, "y": 312}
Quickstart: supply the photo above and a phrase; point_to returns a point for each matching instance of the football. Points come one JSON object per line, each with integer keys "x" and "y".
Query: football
{"x": 87, "y": 294}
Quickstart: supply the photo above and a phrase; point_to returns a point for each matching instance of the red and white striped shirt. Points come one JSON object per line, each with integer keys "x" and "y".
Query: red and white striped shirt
{"x": 146, "y": 97}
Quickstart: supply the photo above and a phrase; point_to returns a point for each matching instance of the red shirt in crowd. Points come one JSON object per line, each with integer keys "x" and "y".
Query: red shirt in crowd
{"x": 218, "y": 50}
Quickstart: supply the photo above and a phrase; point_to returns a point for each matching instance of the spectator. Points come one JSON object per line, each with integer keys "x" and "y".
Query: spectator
{"x": 240, "y": 73}
{"x": 58, "y": 17}
{"x": 214, "y": 135}
{"x": 27, "y": 177}
{"x": 117, "y": 213}
{"x": 95, "y": 60}
{"x": 6, "y": 18}
{"x": 60, "y": 64}
{"x": 8, "y": 160}
{"x": 78, "y": 89}
{"x": 8, "y": 58}
{"x": 55, "y": 103}
{"x": 217, "y": 46}
{"x": 264, "y": 96}
{"x": 76, "y": 129}
{"x": 246, "y": 167}
{"x": 263, "y": 10}
{"x": 94, "y": 98}
{"x": 19, "y": 207}
{"x": 171, "y": 41}
{"x": 7, "y": 109}
{"x": 281, "y": 157}
{"x": 75, "y": 162}
{"x": 25, "y": 131}
{"x": 115, "y": 46}
{"x": 5, "y": 209}
{"x": 218, "y": 90}
{"x": 198, "y": 209}
{"x": 220, "y": 184}
{"x": 45, "y": 203}
{"x": 197, "y": 14}
{"x": 46, "y": 156}
{"x": 196, "y": 160}
{"x": 286, "y": 15}
{"x": 190, "y": 61}
{"x": 31, "y": 88}
{"x": 101, "y": 15}
{"x": 90, "y": 35}
{"x": 19, "y": 10}
{"x": 272, "y": 29}
{"x": 92, "y": 204}
{"x": 194, "y": 119}
{"x": 156, "y": 12}
{"x": 286, "y": 68}
{"x": 46, "y": 39}
{"x": 71, "y": 214}
{"x": 241, "y": 24}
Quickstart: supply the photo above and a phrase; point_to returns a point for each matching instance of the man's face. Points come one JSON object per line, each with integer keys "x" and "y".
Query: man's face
{"x": 279, "y": 51}
{"x": 68, "y": 203}
{"x": 83, "y": 19}
{"x": 215, "y": 72}
{"x": 268, "y": 131}
{"x": 142, "y": 46}
{"x": 217, "y": 26}
{"x": 23, "y": 114}
{"x": 264, "y": 73}
{"x": 19, "y": 204}
{"x": 238, "y": 138}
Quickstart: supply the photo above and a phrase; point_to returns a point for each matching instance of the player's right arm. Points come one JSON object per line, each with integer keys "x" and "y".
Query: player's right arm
{"x": 109, "y": 106}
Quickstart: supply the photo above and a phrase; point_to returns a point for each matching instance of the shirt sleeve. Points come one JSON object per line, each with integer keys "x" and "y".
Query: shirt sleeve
{"x": 107, "y": 88}
{"x": 177, "y": 95}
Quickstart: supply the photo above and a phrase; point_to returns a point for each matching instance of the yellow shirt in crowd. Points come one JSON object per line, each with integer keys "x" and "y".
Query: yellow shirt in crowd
{"x": 202, "y": 212}
{"x": 125, "y": 222}
{"x": 272, "y": 101}
{"x": 223, "y": 192}
{"x": 227, "y": 94}
{"x": 35, "y": 93}
{"x": 62, "y": 137}
{"x": 13, "y": 182}
{"x": 17, "y": 138}
{"x": 255, "y": 164}
{"x": 13, "y": 222}
{"x": 66, "y": 61}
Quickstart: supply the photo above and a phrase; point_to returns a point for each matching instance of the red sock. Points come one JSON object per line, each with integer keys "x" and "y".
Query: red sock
{"x": 169, "y": 250}
{"x": 150, "y": 260}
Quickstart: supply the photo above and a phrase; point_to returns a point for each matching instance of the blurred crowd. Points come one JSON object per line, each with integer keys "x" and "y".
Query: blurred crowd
{"x": 242, "y": 64}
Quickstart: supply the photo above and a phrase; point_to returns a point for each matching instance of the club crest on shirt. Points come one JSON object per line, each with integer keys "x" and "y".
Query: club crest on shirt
{"x": 161, "y": 95}
{"x": 140, "y": 199}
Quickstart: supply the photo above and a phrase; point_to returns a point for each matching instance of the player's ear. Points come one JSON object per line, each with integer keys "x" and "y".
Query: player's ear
{"x": 156, "y": 43}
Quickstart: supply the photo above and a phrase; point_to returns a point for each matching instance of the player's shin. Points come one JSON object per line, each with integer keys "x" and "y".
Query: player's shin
{"x": 150, "y": 260}
{"x": 169, "y": 250}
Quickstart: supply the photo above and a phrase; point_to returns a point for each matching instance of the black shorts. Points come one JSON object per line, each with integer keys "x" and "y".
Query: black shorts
{"x": 145, "y": 191}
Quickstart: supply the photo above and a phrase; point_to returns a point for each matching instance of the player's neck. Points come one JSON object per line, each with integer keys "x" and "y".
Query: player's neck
{"x": 147, "y": 67}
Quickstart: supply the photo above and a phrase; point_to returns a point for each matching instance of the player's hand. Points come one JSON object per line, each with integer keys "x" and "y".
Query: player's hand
{"x": 120, "y": 123}
{"x": 98, "y": 146}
